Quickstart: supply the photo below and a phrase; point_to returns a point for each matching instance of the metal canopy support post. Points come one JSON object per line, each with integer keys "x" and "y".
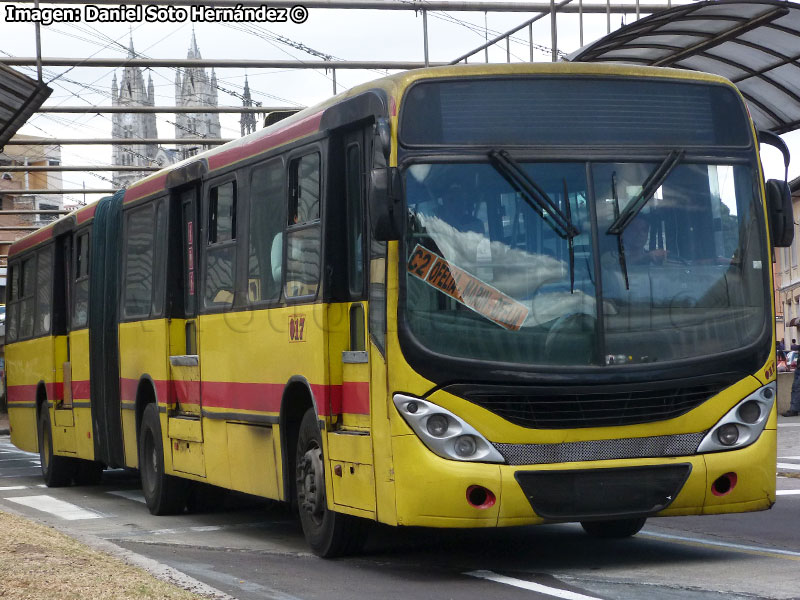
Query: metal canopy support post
{"x": 580, "y": 21}
{"x": 425, "y": 35}
{"x": 165, "y": 109}
{"x": 415, "y": 5}
{"x": 35, "y": 168}
{"x": 38, "y": 45}
{"x": 509, "y": 33}
{"x": 608, "y": 16}
{"x": 333, "y": 72}
{"x": 530, "y": 40}
{"x": 116, "y": 141}
{"x": 553, "y": 30}
{"x": 508, "y": 49}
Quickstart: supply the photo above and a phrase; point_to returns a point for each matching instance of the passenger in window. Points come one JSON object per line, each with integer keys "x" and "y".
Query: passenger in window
{"x": 635, "y": 238}
{"x": 457, "y": 210}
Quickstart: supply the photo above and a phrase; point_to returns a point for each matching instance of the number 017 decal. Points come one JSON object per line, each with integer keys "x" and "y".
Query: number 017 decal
{"x": 297, "y": 328}
{"x": 487, "y": 301}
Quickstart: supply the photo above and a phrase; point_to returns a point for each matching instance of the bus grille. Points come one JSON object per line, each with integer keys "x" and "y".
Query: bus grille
{"x": 570, "y": 408}
{"x": 646, "y": 447}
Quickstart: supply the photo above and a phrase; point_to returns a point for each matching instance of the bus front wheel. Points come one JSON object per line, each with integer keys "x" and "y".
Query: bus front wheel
{"x": 57, "y": 471}
{"x": 164, "y": 494}
{"x": 618, "y": 528}
{"x": 328, "y": 533}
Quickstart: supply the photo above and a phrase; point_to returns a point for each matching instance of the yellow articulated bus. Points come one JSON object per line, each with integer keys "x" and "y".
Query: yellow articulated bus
{"x": 472, "y": 296}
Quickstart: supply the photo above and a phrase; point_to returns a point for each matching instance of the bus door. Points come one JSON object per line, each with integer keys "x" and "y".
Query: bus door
{"x": 64, "y": 421}
{"x": 185, "y": 423}
{"x": 350, "y": 443}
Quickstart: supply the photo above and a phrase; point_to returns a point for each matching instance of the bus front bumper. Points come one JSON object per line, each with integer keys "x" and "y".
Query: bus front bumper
{"x": 435, "y": 492}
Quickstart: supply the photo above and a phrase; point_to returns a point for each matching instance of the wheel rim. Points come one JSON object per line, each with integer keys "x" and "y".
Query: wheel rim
{"x": 311, "y": 483}
{"x": 150, "y": 463}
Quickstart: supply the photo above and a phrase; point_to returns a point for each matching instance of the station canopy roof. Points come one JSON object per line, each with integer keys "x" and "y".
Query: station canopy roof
{"x": 755, "y": 44}
{"x": 20, "y": 97}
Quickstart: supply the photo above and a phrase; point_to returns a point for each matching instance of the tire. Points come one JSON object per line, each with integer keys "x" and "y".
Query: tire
{"x": 329, "y": 533}
{"x": 88, "y": 472}
{"x": 57, "y": 471}
{"x": 620, "y": 528}
{"x": 164, "y": 494}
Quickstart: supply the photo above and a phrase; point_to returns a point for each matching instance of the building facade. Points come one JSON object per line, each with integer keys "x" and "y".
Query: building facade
{"x": 193, "y": 87}
{"x": 132, "y": 91}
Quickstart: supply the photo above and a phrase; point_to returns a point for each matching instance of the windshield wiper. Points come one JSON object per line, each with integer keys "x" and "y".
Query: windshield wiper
{"x": 623, "y": 265}
{"x": 535, "y": 196}
{"x": 649, "y": 187}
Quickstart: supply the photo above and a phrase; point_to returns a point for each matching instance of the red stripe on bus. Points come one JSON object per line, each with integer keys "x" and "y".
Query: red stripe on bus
{"x": 309, "y": 124}
{"x": 85, "y": 214}
{"x": 31, "y": 240}
{"x": 350, "y": 397}
{"x": 140, "y": 190}
{"x": 27, "y": 393}
{"x": 355, "y": 397}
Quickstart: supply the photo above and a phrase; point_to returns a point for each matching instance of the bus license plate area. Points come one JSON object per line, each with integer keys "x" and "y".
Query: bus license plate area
{"x": 582, "y": 494}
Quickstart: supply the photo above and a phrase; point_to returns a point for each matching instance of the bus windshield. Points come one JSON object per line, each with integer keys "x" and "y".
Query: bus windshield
{"x": 489, "y": 276}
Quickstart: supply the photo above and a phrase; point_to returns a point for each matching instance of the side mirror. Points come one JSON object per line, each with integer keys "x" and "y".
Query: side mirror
{"x": 383, "y": 130}
{"x": 771, "y": 139}
{"x": 385, "y": 204}
{"x": 781, "y": 218}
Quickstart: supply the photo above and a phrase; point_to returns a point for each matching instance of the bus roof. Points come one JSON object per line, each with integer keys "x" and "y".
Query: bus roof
{"x": 307, "y": 122}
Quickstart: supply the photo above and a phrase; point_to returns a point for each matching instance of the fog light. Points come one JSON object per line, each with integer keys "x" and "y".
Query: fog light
{"x": 728, "y": 434}
{"x": 465, "y": 446}
{"x": 412, "y": 407}
{"x": 767, "y": 393}
{"x": 437, "y": 425}
{"x": 750, "y": 411}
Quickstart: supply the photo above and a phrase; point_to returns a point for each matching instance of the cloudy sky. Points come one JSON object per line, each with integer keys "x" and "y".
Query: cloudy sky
{"x": 343, "y": 34}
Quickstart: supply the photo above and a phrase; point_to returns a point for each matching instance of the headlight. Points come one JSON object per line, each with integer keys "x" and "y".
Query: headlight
{"x": 444, "y": 433}
{"x": 742, "y": 424}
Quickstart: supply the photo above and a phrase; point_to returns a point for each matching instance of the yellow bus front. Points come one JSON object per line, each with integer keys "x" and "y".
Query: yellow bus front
{"x": 581, "y": 284}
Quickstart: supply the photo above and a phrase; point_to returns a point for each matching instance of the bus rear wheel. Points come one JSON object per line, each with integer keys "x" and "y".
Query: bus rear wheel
{"x": 57, "y": 471}
{"x": 618, "y": 528}
{"x": 164, "y": 494}
{"x": 328, "y": 533}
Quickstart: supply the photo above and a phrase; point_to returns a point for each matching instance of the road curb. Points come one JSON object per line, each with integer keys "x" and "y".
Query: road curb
{"x": 158, "y": 570}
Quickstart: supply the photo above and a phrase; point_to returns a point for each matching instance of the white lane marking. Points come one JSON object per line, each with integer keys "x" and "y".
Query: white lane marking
{"x": 706, "y": 542}
{"x": 129, "y": 495}
{"x": 529, "y": 585}
{"x": 9, "y": 488}
{"x": 54, "y": 506}
{"x": 206, "y": 528}
{"x": 789, "y": 457}
{"x": 788, "y": 424}
{"x": 788, "y": 492}
{"x": 789, "y": 466}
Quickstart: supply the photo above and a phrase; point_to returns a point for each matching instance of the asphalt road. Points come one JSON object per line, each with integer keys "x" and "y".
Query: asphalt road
{"x": 254, "y": 549}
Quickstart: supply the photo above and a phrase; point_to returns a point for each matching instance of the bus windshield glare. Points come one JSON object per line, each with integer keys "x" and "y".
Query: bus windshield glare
{"x": 490, "y": 275}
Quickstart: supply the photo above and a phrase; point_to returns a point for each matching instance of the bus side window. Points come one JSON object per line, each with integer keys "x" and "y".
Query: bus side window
{"x": 303, "y": 232}
{"x": 221, "y": 248}
{"x": 355, "y": 222}
{"x": 44, "y": 291}
{"x": 80, "y": 296}
{"x": 265, "y": 243}
{"x": 138, "y": 277}
{"x": 12, "y": 310}
{"x": 26, "y": 305}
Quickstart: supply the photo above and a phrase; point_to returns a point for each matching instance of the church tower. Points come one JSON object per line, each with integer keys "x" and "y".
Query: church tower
{"x": 193, "y": 87}
{"x": 134, "y": 126}
{"x": 248, "y": 120}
